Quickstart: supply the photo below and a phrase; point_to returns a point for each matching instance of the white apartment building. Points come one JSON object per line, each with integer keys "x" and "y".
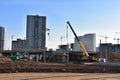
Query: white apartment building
{"x": 88, "y": 40}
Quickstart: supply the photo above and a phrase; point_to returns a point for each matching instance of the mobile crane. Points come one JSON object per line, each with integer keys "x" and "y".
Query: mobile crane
{"x": 85, "y": 57}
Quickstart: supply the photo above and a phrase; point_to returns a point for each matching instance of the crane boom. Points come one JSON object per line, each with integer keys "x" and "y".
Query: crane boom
{"x": 85, "y": 53}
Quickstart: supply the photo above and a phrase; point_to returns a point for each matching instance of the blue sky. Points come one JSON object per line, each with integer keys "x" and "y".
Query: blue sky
{"x": 86, "y": 16}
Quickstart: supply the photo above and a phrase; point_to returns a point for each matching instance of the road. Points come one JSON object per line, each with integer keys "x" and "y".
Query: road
{"x": 59, "y": 76}
{"x": 108, "y": 63}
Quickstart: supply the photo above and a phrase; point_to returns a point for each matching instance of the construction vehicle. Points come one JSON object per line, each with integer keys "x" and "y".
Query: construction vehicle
{"x": 19, "y": 56}
{"x": 85, "y": 57}
{"x": 14, "y": 58}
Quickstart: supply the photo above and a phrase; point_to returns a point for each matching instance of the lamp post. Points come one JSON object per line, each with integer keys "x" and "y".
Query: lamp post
{"x": 117, "y": 40}
{"x": 44, "y": 56}
{"x": 105, "y": 38}
{"x": 67, "y": 45}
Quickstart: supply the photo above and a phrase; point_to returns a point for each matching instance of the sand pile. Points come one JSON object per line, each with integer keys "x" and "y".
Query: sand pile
{"x": 4, "y": 59}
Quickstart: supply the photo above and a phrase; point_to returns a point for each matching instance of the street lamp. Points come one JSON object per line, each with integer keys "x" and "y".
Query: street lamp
{"x": 117, "y": 40}
{"x": 47, "y": 29}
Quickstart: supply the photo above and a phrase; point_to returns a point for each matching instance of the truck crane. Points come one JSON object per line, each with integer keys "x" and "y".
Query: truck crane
{"x": 85, "y": 57}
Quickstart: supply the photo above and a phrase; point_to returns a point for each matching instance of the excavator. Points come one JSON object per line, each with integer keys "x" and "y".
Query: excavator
{"x": 85, "y": 57}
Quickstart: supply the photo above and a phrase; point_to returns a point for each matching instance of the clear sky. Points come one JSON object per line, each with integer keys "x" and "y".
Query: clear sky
{"x": 86, "y": 16}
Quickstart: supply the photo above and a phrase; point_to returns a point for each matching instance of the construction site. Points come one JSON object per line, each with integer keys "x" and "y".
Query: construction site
{"x": 61, "y": 65}
{"x": 60, "y": 40}
{"x": 59, "y": 61}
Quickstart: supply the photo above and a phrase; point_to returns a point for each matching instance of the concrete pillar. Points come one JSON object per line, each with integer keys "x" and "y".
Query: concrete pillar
{"x": 37, "y": 57}
{"x": 0, "y": 54}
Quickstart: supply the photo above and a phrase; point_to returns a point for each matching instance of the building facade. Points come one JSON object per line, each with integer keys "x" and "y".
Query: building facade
{"x": 88, "y": 40}
{"x": 116, "y": 48}
{"x": 109, "y": 48}
{"x": 14, "y": 45}
{"x": 63, "y": 47}
{"x": 106, "y": 48}
{"x": 2, "y": 38}
{"x": 36, "y": 32}
{"x": 19, "y": 44}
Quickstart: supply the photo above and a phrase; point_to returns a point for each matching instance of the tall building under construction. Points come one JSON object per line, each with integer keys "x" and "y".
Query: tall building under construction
{"x": 36, "y": 32}
{"x": 2, "y": 38}
{"x": 19, "y": 44}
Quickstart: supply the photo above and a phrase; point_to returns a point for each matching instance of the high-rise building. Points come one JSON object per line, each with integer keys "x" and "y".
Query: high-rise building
{"x": 2, "y": 38}
{"x": 88, "y": 40}
{"x": 14, "y": 45}
{"x": 19, "y": 44}
{"x": 36, "y": 32}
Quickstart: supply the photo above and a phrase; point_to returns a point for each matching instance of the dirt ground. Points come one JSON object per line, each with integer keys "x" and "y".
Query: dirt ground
{"x": 21, "y": 66}
{"x": 59, "y": 76}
